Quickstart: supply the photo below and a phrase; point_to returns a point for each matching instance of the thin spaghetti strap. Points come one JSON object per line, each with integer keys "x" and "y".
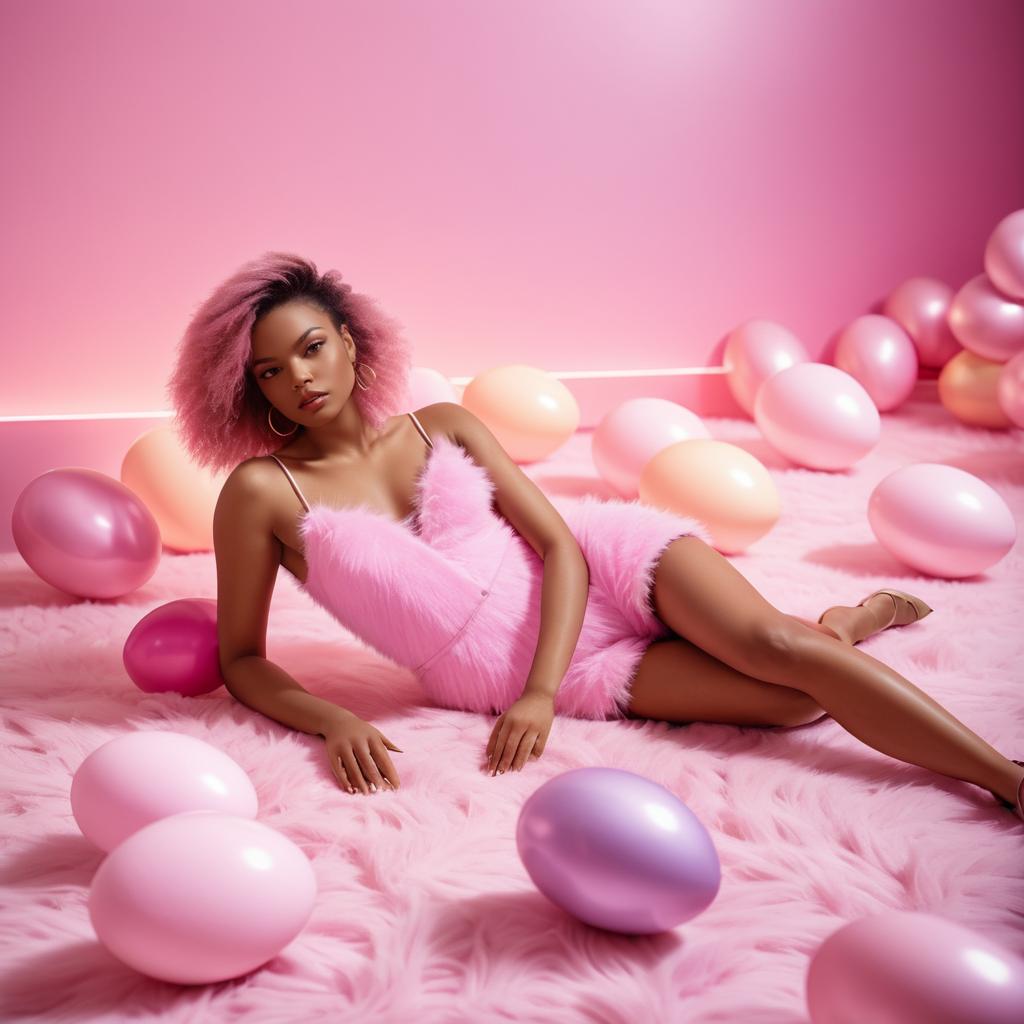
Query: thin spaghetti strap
{"x": 419, "y": 427}
{"x": 295, "y": 486}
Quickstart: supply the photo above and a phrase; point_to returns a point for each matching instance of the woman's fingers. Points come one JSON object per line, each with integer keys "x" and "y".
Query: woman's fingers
{"x": 355, "y": 776}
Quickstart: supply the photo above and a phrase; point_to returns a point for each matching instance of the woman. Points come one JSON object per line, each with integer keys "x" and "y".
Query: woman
{"x": 428, "y": 541}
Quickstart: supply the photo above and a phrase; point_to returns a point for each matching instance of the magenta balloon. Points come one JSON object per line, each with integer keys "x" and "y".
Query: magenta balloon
{"x": 818, "y": 416}
{"x": 986, "y": 321}
{"x": 880, "y": 354}
{"x": 941, "y": 520}
{"x": 1004, "y": 256}
{"x": 175, "y": 647}
{"x": 201, "y": 897}
{"x": 86, "y": 533}
{"x": 754, "y": 352}
{"x": 1010, "y": 388}
{"x": 921, "y": 305}
{"x": 617, "y": 851}
{"x": 140, "y": 777}
{"x": 906, "y": 967}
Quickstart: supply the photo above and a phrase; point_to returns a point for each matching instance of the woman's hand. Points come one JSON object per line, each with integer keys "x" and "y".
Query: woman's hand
{"x": 520, "y": 733}
{"x": 359, "y": 754}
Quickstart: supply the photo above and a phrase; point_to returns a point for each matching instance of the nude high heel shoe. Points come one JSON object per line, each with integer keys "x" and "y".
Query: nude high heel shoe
{"x": 913, "y": 609}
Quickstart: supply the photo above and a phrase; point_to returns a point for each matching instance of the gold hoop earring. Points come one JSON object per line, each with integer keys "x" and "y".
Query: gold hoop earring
{"x": 365, "y": 387}
{"x": 270, "y": 420}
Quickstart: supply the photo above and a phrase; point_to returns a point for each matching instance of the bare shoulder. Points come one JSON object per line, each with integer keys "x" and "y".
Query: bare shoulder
{"x": 442, "y": 418}
{"x": 252, "y": 488}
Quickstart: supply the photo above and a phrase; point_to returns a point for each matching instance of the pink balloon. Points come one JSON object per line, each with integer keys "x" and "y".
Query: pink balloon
{"x": 986, "y": 321}
{"x": 920, "y": 305}
{"x": 140, "y": 777}
{"x": 817, "y": 416}
{"x": 175, "y": 648}
{"x": 880, "y": 354}
{"x": 617, "y": 850}
{"x": 201, "y": 897}
{"x": 906, "y": 967}
{"x": 941, "y": 520}
{"x": 754, "y": 352}
{"x": 629, "y": 436}
{"x": 1010, "y": 389}
{"x": 1004, "y": 256}
{"x": 86, "y": 533}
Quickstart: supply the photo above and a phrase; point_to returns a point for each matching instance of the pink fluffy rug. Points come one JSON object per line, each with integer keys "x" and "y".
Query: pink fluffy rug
{"x": 424, "y": 911}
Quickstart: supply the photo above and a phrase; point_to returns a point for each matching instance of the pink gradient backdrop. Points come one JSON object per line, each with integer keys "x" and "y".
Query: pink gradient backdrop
{"x": 582, "y": 185}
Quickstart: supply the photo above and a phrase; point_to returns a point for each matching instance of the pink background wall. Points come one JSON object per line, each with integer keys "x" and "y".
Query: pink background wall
{"x": 595, "y": 184}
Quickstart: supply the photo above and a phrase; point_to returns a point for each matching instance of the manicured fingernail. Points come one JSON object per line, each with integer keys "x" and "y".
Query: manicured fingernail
{"x": 373, "y": 787}
{"x": 501, "y": 771}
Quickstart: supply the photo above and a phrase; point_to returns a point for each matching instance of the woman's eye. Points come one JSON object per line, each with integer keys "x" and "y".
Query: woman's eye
{"x": 264, "y": 375}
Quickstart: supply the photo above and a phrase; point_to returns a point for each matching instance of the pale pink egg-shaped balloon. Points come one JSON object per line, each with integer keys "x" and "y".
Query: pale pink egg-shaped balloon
{"x": 968, "y": 387}
{"x": 1004, "y": 256}
{"x": 1010, "y": 389}
{"x": 721, "y": 484}
{"x": 201, "y": 897}
{"x": 878, "y": 352}
{"x": 941, "y": 520}
{"x": 754, "y": 352}
{"x": 147, "y": 775}
{"x": 85, "y": 533}
{"x": 427, "y": 386}
{"x": 818, "y": 416}
{"x": 632, "y": 433}
{"x": 908, "y": 967}
{"x": 530, "y": 411}
{"x": 920, "y": 305}
{"x": 986, "y": 322}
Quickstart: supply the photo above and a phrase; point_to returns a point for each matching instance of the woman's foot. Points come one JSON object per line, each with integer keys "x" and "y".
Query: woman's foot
{"x": 878, "y": 611}
{"x": 1018, "y": 805}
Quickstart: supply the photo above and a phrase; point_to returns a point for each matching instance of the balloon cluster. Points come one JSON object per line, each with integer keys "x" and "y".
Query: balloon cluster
{"x": 193, "y": 889}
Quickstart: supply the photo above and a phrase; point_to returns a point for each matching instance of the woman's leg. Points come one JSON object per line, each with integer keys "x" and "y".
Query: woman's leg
{"x": 703, "y": 598}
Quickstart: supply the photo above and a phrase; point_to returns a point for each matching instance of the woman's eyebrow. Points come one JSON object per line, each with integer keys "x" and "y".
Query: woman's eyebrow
{"x": 270, "y": 359}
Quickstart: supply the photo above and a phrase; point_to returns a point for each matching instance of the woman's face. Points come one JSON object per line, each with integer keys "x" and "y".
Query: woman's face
{"x": 295, "y": 350}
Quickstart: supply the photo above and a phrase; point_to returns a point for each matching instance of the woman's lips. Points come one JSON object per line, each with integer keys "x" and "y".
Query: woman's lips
{"x": 313, "y": 401}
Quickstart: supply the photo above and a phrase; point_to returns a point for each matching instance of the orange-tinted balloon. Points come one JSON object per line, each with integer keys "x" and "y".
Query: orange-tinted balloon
{"x": 968, "y": 388}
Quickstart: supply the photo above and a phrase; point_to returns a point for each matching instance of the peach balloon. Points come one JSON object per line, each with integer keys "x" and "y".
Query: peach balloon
{"x": 920, "y": 306}
{"x": 1004, "y": 256}
{"x": 818, "y": 416}
{"x": 986, "y": 321}
{"x": 754, "y": 352}
{"x": 427, "y": 386}
{"x": 529, "y": 411}
{"x": 968, "y": 388}
{"x": 878, "y": 352}
{"x": 629, "y": 436}
{"x": 1010, "y": 389}
{"x": 180, "y": 494}
{"x": 720, "y": 484}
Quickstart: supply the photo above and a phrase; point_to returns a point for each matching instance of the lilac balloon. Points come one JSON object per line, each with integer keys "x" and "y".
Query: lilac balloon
{"x": 906, "y": 967}
{"x": 140, "y": 777}
{"x": 86, "y": 533}
{"x": 986, "y": 321}
{"x": 617, "y": 851}
{"x": 201, "y": 897}
{"x": 754, "y": 352}
{"x": 1004, "y": 256}
{"x": 818, "y": 416}
{"x": 1010, "y": 388}
{"x": 880, "y": 354}
{"x": 941, "y": 520}
{"x": 175, "y": 648}
{"x": 920, "y": 305}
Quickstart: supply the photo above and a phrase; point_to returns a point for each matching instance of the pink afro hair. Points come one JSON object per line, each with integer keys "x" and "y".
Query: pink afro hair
{"x": 220, "y": 412}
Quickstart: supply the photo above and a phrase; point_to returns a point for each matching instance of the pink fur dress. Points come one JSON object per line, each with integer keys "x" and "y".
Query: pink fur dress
{"x": 453, "y": 591}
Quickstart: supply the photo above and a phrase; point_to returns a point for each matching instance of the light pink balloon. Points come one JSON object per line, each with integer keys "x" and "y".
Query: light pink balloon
{"x": 143, "y": 776}
{"x": 986, "y": 322}
{"x": 941, "y": 520}
{"x": 920, "y": 305}
{"x": 629, "y": 436}
{"x": 913, "y": 968}
{"x": 1010, "y": 388}
{"x": 880, "y": 354}
{"x": 201, "y": 897}
{"x": 1004, "y": 256}
{"x": 754, "y": 352}
{"x": 817, "y": 416}
{"x": 86, "y": 533}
